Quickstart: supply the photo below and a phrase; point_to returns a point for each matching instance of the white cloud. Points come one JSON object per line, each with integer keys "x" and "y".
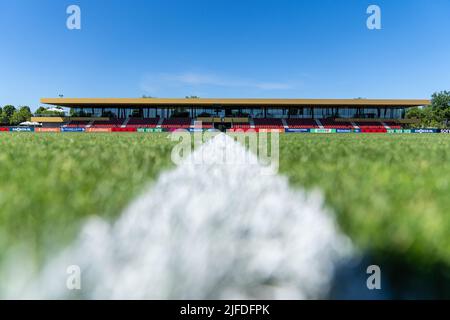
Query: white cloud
{"x": 152, "y": 83}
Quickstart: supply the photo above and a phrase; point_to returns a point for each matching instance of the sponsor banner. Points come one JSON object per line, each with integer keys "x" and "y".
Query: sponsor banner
{"x": 149, "y": 130}
{"x": 395, "y": 131}
{"x": 98, "y": 129}
{"x": 399, "y": 131}
{"x": 357, "y": 130}
{"x": 65, "y": 129}
{"x": 242, "y": 130}
{"x": 271, "y": 130}
{"x": 323, "y": 131}
{"x": 255, "y": 130}
{"x": 21, "y": 129}
{"x": 344, "y": 130}
{"x": 374, "y": 130}
{"x": 445, "y": 131}
{"x": 424, "y": 130}
{"x": 123, "y": 130}
{"x": 297, "y": 130}
{"x": 47, "y": 129}
{"x": 4, "y": 129}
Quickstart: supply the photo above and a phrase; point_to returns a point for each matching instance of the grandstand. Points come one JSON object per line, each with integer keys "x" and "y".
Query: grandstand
{"x": 366, "y": 115}
{"x": 142, "y": 122}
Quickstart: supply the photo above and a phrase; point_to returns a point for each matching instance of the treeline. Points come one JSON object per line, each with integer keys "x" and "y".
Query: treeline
{"x": 437, "y": 115}
{"x": 9, "y": 115}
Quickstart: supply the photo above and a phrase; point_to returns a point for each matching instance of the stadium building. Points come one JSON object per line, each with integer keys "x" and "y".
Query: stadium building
{"x": 365, "y": 115}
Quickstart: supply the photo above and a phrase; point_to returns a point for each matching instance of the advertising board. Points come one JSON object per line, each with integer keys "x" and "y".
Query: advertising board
{"x": 297, "y": 130}
{"x": 21, "y": 129}
{"x": 68, "y": 129}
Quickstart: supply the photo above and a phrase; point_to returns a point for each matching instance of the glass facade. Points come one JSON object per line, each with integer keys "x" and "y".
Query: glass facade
{"x": 255, "y": 112}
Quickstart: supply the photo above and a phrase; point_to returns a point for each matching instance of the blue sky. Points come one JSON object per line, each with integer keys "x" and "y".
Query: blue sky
{"x": 223, "y": 48}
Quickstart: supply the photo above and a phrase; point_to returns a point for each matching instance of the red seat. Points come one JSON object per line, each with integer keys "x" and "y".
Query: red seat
{"x": 268, "y": 123}
{"x": 333, "y": 124}
{"x": 142, "y": 122}
{"x": 237, "y": 125}
{"x": 301, "y": 123}
{"x": 370, "y": 125}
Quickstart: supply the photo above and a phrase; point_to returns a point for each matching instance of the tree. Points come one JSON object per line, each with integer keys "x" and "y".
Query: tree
{"x": 437, "y": 115}
{"x": 440, "y": 104}
{"x": 9, "y": 110}
{"x": 416, "y": 114}
{"x": 41, "y": 110}
{"x": 440, "y": 100}
{"x": 7, "y": 113}
{"x": 21, "y": 115}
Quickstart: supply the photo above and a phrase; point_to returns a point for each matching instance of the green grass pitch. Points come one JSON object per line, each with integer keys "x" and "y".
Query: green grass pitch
{"x": 391, "y": 193}
{"x": 49, "y": 183}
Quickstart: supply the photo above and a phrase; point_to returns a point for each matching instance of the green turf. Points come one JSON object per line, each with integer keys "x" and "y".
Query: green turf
{"x": 50, "y": 182}
{"x": 391, "y": 193}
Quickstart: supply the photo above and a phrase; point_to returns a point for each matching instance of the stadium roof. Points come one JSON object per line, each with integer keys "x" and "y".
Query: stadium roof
{"x": 198, "y": 102}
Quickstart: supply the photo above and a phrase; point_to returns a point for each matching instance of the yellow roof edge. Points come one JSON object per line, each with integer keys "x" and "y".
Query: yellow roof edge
{"x": 73, "y": 102}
